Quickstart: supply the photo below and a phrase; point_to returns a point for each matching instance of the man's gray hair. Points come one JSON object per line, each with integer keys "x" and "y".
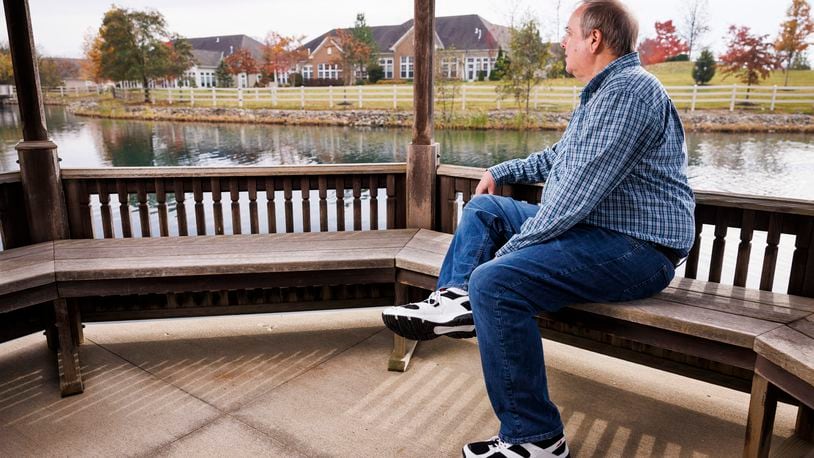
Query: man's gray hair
{"x": 619, "y": 27}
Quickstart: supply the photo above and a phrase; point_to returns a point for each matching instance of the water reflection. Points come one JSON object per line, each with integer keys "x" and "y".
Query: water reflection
{"x": 760, "y": 164}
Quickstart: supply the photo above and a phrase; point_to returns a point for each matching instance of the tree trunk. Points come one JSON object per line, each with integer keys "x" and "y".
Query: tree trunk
{"x": 146, "y": 89}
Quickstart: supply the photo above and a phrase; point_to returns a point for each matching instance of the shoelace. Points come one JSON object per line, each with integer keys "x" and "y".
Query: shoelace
{"x": 435, "y": 298}
{"x": 499, "y": 444}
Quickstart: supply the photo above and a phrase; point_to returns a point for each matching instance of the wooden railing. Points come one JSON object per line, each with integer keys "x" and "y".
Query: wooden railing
{"x": 13, "y": 226}
{"x": 162, "y": 201}
{"x": 771, "y": 241}
{"x": 749, "y": 220}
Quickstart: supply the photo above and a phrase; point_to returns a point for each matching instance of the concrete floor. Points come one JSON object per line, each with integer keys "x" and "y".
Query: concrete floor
{"x": 315, "y": 384}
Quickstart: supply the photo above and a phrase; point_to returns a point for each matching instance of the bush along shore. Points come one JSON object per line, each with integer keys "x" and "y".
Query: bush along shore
{"x": 699, "y": 121}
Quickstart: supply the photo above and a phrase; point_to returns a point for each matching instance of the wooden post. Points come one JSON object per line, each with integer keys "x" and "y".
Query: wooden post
{"x": 191, "y": 97}
{"x": 330, "y": 96}
{"x": 463, "y": 97}
{"x": 694, "y": 97}
{"x": 359, "y": 94}
{"x": 574, "y": 97}
{"x": 302, "y": 97}
{"x": 774, "y": 97}
{"x": 43, "y": 196}
{"x": 395, "y": 97}
{"x": 240, "y": 97}
{"x": 273, "y": 96}
{"x": 422, "y": 154}
{"x": 762, "y": 408}
{"x": 39, "y": 165}
{"x": 734, "y": 94}
{"x": 214, "y": 98}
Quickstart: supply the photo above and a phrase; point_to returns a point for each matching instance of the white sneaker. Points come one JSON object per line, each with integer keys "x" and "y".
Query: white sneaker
{"x": 494, "y": 447}
{"x": 445, "y": 313}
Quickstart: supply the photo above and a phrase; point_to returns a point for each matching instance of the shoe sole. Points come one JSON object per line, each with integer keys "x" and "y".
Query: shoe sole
{"x": 417, "y": 329}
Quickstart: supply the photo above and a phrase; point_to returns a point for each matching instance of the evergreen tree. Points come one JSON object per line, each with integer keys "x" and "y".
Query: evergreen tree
{"x": 704, "y": 68}
{"x": 222, "y": 76}
{"x": 501, "y": 66}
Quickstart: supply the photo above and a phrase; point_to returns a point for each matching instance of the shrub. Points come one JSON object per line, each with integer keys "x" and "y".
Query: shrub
{"x": 375, "y": 73}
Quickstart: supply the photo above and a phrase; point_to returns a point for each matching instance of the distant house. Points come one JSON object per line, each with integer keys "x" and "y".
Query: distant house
{"x": 465, "y": 44}
{"x": 208, "y": 53}
{"x": 70, "y": 70}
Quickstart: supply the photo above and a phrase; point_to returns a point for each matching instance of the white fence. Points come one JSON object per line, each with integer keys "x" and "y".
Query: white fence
{"x": 465, "y": 96}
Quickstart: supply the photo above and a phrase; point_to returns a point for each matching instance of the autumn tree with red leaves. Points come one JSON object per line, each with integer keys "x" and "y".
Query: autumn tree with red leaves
{"x": 280, "y": 53}
{"x": 748, "y": 57}
{"x": 241, "y": 61}
{"x": 666, "y": 45}
{"x": 650, "y": 52}
{"x": 794, "y": 32}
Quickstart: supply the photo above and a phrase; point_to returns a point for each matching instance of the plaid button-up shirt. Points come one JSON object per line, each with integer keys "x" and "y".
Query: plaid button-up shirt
{"x": 620, "y": 164}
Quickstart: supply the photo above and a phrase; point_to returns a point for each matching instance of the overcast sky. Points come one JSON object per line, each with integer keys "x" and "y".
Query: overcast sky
{"x": 59, "y": 25}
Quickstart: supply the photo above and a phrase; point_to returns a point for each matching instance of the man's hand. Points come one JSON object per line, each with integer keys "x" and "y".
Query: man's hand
{"x": 486, "y": 185}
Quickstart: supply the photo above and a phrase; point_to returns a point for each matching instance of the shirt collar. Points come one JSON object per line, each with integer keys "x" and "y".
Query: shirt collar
{"x": 628, "y": 60}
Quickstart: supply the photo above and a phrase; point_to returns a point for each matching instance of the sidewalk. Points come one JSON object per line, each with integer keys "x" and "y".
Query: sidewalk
{"x": 316, "y": 384}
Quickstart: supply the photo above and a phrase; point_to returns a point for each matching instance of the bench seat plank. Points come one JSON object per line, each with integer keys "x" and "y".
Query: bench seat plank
{"x": 686, "y": 319}
{"x": 221, "y": 255}
{"x": 424, "y": 253}
{"x": 746, "y": 294}
{"x": 790, "y": 349}
{"x": 778, "y": 314}
{"x": 26, "y": 267}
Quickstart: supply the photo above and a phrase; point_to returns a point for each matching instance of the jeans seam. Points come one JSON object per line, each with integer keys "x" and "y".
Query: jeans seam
{"x": 506, "y": 376}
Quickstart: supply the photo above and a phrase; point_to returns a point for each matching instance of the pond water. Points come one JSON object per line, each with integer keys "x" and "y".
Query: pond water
{"x": 760, "y": 164}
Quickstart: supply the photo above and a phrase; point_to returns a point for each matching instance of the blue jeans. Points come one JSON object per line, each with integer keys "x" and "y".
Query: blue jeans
{"x": 584, "y": 264}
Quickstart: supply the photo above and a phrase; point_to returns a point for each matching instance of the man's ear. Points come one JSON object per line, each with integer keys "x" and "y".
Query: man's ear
{"x": 596, "y": 41}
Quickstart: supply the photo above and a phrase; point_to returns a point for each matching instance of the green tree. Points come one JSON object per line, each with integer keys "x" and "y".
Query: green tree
{"x": 6, "y": 69}
{"x": 704, "y": 68}
{"x": 375, "y": 73}
{"x": 501, "y": 66}
{"x": 222, "y": 76}
{"x": 794, "y": 33}
{"x": 358, "y": 49}
{"x": 136, "y": 46}
{"x": 447, "y": 83}
{"x": 50, "y": 73}
{"x": 529, "y": 56}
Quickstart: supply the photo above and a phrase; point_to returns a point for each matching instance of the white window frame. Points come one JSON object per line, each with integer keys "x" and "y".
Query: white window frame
{"x": 406, "y": 67}
{"x": 387, "y": 67}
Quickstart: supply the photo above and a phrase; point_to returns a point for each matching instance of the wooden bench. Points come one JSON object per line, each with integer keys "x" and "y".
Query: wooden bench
{"x": 723, "y": 334}
{"x": 74, "y": 273}
{"x": 717, "y": 333}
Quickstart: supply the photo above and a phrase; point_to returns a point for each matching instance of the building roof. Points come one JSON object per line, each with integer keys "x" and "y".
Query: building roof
{"x": 68, "y": 67}
{"x": 204, "y": 58}
{"x": 467, "y": 32}
{"x": 227, "y": 44}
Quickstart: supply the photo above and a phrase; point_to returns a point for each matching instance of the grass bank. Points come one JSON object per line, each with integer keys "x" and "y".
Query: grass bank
{"x": 699, "y": 121}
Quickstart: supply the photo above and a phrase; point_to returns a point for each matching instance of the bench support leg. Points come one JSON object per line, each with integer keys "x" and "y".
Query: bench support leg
{"x": 805, "y": 423}
{"x": 402, "y": 352}
{"x": 402, "y": 348}
{"x": 70, "y": 378}
{"x": 760, "y": 423}
{"x": 77, "y": 328}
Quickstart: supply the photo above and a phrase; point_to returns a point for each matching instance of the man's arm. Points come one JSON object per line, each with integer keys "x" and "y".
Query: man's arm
{"x": 613, "y": 138}
{"x": 533, "y": 169}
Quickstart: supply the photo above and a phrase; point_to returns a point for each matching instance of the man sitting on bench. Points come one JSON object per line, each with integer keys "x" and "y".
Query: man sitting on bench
{"x": 615, "y": 218}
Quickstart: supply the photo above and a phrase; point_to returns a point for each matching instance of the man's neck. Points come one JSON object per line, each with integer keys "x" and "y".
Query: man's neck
{"x": 601, "y": 62}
